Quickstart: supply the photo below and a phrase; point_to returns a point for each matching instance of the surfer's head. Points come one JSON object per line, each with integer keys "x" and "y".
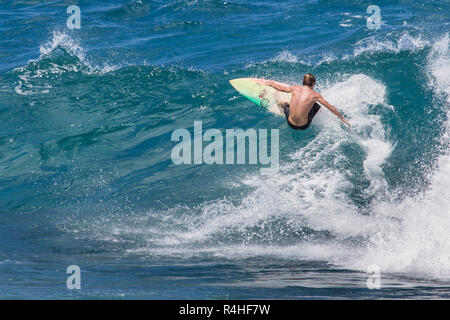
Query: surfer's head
{"x": 309, "y": 80}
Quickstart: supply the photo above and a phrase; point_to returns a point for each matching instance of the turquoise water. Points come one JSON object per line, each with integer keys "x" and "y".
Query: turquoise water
{"x": 86, "y": 176}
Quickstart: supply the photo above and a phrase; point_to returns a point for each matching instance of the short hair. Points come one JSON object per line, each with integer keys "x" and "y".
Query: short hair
{"x": 309, "y": 80}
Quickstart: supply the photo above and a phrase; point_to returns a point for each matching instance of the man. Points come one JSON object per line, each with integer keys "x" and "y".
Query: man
{"x": 303, "y": 105}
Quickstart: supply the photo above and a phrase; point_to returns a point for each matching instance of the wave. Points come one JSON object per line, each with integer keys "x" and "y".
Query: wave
{"x": 402, "y": 42}
{"x": 420, "y": 244}
{"x": 330, "y": 199}
{"x": 308, "y": 185}
{"x": 130, "y": 11}
{"x": 309, "y": 199}
{"x": 439, "y": 65}
{"x": 308, "y": 210}
{"x": 61, "y": 55}
{"x": 405, "y": 42}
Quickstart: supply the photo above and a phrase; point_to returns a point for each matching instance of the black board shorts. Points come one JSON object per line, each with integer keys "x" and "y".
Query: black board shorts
{"x": 315, "y": 108}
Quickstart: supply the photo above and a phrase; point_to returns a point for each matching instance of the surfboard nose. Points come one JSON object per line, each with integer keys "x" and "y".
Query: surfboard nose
{"x": 233, "y": 82}
{"x": 237, "y": 83}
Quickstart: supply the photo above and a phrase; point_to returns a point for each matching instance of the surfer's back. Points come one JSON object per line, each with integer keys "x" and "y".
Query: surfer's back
{"x": 303, "y": 98}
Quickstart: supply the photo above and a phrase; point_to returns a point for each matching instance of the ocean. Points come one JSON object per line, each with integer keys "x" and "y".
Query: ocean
{"x": 88, "y": 108}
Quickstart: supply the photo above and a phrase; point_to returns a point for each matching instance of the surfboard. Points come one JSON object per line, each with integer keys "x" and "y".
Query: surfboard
{"x": 264, "y": 96}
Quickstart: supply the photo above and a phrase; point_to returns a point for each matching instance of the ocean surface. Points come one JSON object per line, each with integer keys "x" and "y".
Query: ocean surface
{"x": 87, "y": 179}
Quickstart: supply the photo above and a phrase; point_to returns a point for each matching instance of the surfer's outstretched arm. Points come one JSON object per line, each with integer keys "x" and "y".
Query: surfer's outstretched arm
{"x": 277, "y": 85}
{"x": 331, "y": 108}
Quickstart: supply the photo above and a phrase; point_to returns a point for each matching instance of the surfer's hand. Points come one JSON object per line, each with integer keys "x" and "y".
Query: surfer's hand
{"x": 346, "y": 122}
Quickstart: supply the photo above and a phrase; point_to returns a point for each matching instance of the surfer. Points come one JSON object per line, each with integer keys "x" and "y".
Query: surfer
{"x": 303, "y": 105}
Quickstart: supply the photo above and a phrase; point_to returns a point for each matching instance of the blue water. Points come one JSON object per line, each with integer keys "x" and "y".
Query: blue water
{"x": 86, "y": 176}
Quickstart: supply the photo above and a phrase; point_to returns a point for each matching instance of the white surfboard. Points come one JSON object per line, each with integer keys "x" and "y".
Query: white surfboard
{"x": 265, "y": 96}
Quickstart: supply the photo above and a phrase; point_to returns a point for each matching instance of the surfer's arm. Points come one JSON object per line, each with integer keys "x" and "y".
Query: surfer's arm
{"x": 277, "y": 85}
{"x": 331, "y": 108}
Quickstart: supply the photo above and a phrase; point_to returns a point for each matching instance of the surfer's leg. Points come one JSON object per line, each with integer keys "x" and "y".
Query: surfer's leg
{"x": 286, "y": 110}
{"x": 312, "y": 113}
{"x": 314, "y": 110}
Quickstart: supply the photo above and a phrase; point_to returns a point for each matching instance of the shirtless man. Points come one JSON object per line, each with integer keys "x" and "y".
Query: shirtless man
{"x": 303, "y": 106}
